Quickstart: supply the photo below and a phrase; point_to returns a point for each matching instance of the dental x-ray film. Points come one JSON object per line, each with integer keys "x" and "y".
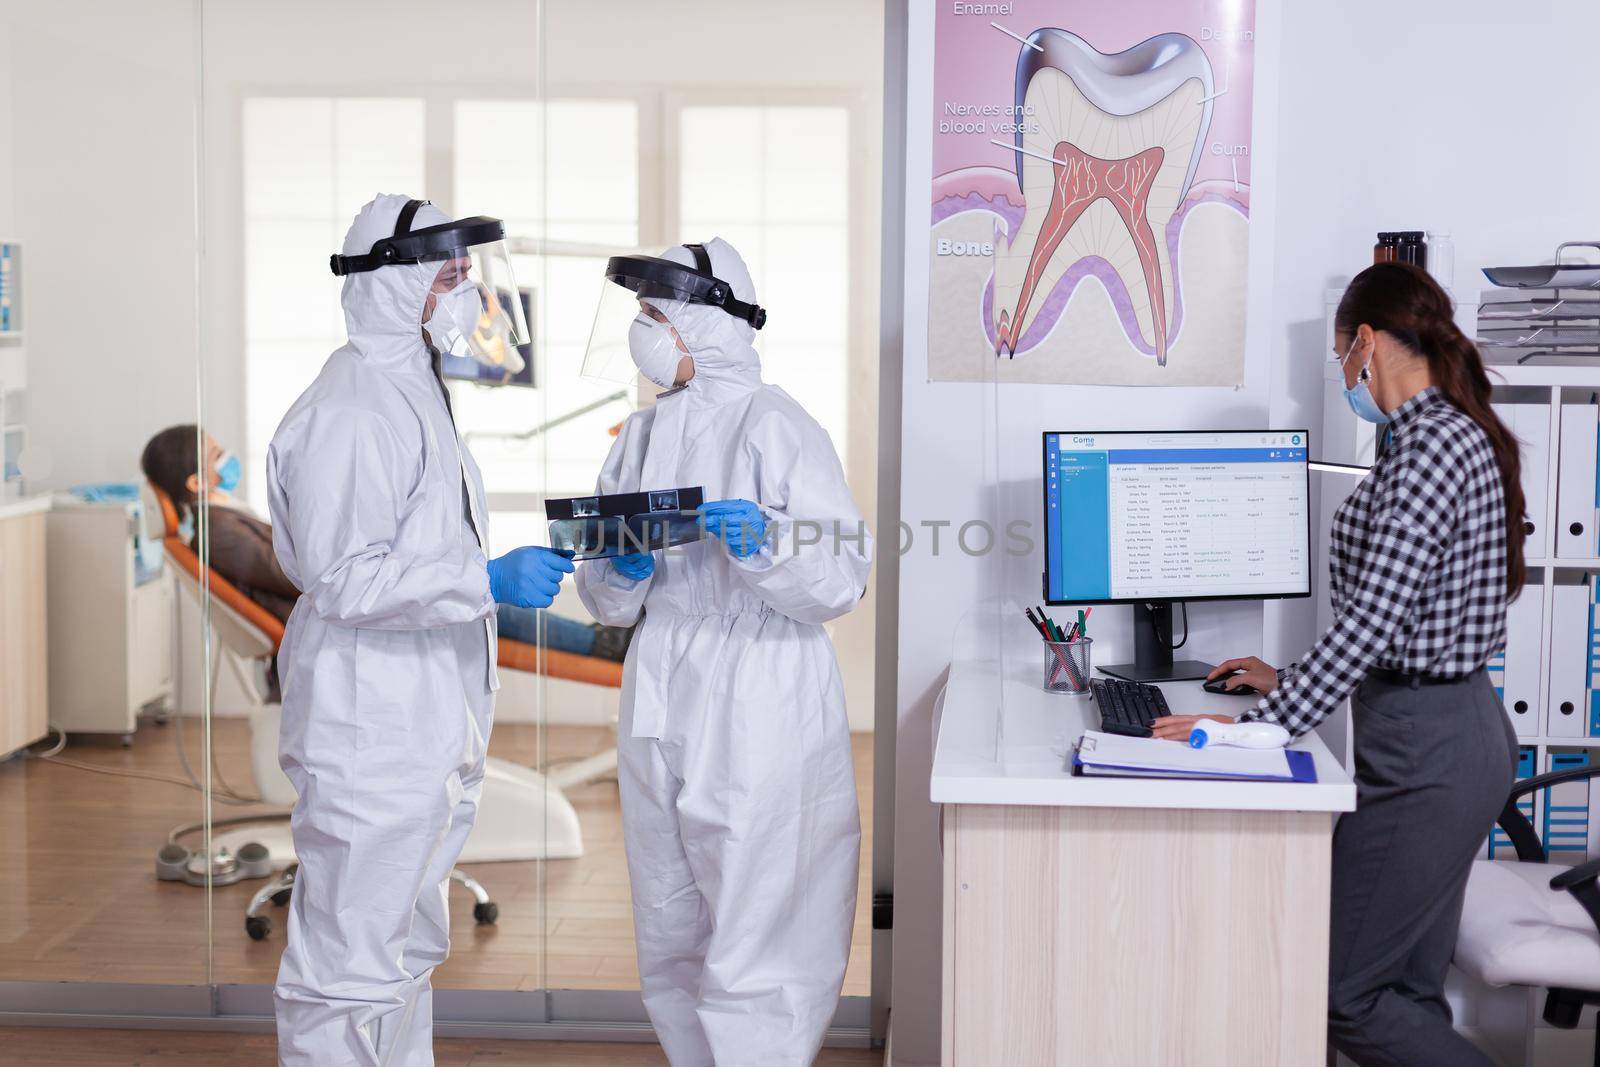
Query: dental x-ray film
{"x": 619, "y": 524}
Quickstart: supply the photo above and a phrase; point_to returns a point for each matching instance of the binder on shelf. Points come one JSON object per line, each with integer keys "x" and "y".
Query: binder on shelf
{"x": 1571, "y": 657}
{"x": 8, "y": 285}
{"x": 1591, "y": 709}
{"x": 1530, "y": 424}
{"x": 1576, "y": 526}
{"x": 1516, "y": 668}
{"x": 1569, "y": 824}
{"x": 1499, "y": 846}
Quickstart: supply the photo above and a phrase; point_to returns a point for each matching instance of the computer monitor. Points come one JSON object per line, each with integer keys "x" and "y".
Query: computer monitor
{"x": 467, "y": 369}
{"x": 1148, "y": 518}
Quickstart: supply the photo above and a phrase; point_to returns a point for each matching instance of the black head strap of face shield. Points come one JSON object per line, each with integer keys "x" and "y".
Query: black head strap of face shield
{"x": 448, "y": 240}
{"x": 702, "y": 259}
{"x": 402, "y": 225}
{"x": 648, "y": 276}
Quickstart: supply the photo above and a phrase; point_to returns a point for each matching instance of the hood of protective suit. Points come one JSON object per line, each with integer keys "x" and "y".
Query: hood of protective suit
{"x": 725, "y": 359}
{"x": 383, "y": 307}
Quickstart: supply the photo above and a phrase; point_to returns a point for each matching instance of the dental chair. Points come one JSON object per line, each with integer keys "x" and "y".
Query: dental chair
{"x": 522, "y": 814}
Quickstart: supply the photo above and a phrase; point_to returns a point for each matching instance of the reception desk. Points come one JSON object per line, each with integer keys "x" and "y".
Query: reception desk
{"x": 1122, "y": 921}
{"x": 24, "y": 660}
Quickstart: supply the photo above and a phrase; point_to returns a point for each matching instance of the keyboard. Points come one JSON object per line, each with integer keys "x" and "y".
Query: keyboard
{"x": 1128, "y": 708}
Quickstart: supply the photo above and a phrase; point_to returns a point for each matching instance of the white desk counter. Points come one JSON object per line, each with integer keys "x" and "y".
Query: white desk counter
{"x": 27, "y": 505}
{"x": 24, "y": 653}
{"x": 1115, "y": 921}
{"x": 1010, "y": 742}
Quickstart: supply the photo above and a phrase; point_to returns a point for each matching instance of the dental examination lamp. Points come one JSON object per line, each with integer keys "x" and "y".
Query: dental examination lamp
{"x": 621, "y": 395}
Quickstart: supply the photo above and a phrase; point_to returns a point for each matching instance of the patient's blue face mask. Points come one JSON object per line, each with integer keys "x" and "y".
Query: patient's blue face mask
{"x": 1359, "y": 395}
{"x": 228, "y": 472}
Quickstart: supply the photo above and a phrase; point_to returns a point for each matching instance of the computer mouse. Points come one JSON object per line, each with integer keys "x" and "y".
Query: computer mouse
{"x": 1219, "y": 685}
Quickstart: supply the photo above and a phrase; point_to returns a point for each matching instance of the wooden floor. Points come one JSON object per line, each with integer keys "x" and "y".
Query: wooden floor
{"x": 82, "y": 903}
{"x": 26, "y": 1047}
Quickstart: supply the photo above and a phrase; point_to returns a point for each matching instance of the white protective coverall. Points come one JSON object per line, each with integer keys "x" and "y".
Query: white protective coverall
{"x": 387, "y": 668}
{"x": 738, "y": 792}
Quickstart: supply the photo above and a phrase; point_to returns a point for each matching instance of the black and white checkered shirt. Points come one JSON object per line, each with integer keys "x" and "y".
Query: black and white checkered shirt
{"x": 1418, "y": 562}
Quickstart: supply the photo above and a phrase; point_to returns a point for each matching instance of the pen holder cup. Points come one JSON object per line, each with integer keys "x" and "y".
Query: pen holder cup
{"x": 1066, "y": 666}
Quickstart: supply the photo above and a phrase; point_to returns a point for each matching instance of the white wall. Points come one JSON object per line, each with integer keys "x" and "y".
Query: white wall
{"x": 1426, "y": 115}
{"x": 8, "y": 45}
{"x": 97, "y": 179}
{"x": 1383, "y": 116}
{"x": 972, "y": 452}
{"x": 102, "y": 171}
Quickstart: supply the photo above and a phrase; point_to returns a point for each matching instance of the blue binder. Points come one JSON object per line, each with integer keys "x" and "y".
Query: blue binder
{"x": 1302, "y": 767}
{"x": 1499, "y": 843}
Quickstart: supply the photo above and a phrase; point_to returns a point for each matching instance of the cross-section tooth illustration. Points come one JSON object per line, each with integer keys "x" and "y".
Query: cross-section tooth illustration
{"x": 1117, "y": 143}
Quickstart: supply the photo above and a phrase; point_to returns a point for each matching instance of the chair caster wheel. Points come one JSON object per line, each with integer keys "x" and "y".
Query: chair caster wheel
{"x": 486, "y": 913}
{"x": 281, "y": 897}
{"x": 258, "y": 927}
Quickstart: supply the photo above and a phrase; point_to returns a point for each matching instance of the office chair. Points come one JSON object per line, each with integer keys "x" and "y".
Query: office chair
{"x": 1533, "y": 923}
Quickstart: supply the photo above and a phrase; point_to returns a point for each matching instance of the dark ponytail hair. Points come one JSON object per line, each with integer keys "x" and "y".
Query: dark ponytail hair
{"x": 1405, "y": 302}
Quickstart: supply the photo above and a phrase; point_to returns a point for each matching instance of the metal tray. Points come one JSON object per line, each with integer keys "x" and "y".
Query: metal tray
{"x": 1545, "y": 337}
{"x": 1549, "y": 308}
{"x": 1557, "y": 275}
{"x": 1548, "y": 276}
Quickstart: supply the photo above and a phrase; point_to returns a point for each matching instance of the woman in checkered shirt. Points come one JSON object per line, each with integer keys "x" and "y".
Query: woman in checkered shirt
{"x": 1424, "y": 556}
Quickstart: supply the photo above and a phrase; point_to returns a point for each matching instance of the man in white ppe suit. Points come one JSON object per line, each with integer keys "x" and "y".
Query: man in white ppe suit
{"x": 738, "y": 792}
{"x": 388, "y": 657}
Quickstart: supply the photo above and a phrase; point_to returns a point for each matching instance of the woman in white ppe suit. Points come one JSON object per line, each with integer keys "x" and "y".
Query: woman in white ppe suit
{"x": 738, "y": 791}
{"x": 388, "y": 657}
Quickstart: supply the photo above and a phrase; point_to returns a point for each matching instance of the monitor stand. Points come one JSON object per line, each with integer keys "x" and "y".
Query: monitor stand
{"x": 1152, "y": 649}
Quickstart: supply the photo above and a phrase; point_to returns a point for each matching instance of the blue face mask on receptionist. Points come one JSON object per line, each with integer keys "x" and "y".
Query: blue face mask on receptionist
{"x": 1359, "y": 396}
{"x": 228, "y": 472}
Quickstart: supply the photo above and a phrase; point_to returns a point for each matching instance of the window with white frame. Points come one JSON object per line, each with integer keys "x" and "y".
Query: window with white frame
{"x": 309, "y": 162}
{"x": 779, "y": 192}
{"x": 588, "y": 209}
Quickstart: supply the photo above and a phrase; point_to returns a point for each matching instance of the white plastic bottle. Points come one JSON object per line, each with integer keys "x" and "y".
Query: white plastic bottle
{"x": 1442, "y": 258}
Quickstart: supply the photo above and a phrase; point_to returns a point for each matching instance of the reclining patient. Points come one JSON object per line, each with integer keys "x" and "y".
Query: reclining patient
{"x": 241, "y": 547}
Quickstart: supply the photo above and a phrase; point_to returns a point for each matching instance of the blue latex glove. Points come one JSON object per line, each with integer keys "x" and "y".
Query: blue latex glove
{"x": 527, "y": 577}
{"x": 738, "y": 524}
{"x": 636, "y": 566}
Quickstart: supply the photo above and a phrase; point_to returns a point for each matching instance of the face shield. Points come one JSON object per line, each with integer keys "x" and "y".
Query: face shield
{"x": 633, "y": 329}
{"x": 477, "y": 312}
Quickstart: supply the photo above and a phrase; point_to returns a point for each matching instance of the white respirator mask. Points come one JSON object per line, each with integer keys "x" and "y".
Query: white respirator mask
{"x": 654, "y": 347}
{"x": 455, "y": 317}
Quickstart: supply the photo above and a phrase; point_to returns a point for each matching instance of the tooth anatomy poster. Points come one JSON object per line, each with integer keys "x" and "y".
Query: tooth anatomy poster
{"x": 1091, "y": 191}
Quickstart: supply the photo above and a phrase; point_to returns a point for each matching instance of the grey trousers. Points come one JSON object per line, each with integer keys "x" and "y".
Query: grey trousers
{"x": 1433, "y": 767}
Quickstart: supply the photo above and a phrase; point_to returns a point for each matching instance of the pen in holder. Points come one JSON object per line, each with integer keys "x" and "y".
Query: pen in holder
{"x": 1066, "y": 666}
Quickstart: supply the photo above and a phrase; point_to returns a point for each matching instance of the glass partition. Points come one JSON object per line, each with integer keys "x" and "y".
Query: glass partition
{"x": 300, "y": 139}
{"x": 103, "y": 666}
{"x": 154, "y": 331}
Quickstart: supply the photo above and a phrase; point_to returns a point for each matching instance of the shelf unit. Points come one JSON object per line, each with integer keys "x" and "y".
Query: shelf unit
{"x": 11, "y": 316}
{"x": 1552, "y": 382}
{"x": 13, "y": 380}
